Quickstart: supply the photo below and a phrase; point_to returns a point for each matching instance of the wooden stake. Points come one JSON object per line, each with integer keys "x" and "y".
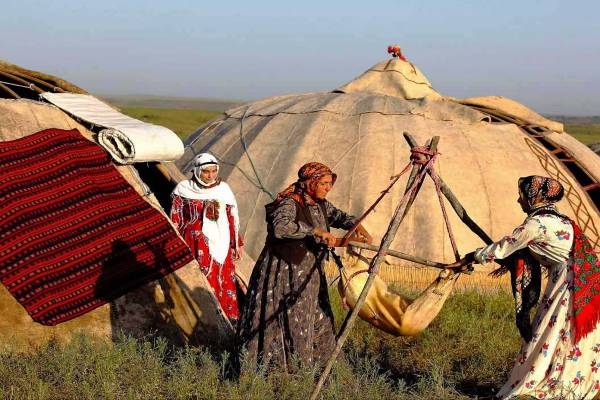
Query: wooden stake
{"x": 346, "y": 327}
{"x": 453, "y": 200}
{"x": 433, "y": 147}
{"x": 401, "y": 255}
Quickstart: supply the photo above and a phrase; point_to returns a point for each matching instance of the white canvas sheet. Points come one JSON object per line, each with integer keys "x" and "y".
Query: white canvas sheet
{"x": 127, "y": 139}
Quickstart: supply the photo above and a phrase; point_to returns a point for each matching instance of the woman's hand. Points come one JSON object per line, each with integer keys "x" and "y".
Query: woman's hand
{"x": 325, "y": 237}
{"x": 464, "y": 262}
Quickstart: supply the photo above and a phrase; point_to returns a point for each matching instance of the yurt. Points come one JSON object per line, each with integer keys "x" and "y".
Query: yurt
{"x": 86, "y": 244}
{"x": 486, "y": 144}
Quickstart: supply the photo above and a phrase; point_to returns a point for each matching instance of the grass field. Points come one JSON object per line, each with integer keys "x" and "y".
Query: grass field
{"x": 185, "y": 121}
{"x": 586, "y": 134}
{"x": 467, "y": 352}
{"x": 181, "y": 121}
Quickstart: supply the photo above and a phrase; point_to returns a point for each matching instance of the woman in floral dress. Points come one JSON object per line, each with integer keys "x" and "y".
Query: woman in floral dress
{"x": 288, "y": 316}
{"x": 205, "y": 212}
{"x": 560, "y": 352}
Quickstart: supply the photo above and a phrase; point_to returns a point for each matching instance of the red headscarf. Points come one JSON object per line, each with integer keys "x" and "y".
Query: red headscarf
{"x": 303, "y": 190}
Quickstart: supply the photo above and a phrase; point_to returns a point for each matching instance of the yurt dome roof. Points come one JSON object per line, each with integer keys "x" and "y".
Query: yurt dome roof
{"x": 486, "y": 144}
{"x": 392, "y": 78}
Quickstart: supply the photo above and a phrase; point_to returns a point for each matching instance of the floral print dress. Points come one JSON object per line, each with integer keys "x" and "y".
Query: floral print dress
{"x": 551, "y": 365}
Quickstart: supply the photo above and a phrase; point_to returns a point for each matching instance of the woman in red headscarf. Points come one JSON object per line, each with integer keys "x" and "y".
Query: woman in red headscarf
{"x": 287, "y": 309}
{"x": 560, "y": 351}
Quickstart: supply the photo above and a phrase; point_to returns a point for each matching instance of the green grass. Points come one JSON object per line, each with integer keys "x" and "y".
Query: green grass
{"x": 585, "y": 133}
{"x": 181, "y": 121}
{"x": 185, "y": 121}
{"x": 466, "y": 352}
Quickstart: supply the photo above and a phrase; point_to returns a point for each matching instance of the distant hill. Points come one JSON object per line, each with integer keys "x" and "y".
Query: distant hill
{"x": 568, "y": 120}
{"x": 191, "y": 103}
{"x": 200, "y": 103}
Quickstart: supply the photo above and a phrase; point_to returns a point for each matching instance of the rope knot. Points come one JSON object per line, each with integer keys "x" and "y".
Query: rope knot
{"x": 395, "y": 51}
{"x": 421, "y": 155}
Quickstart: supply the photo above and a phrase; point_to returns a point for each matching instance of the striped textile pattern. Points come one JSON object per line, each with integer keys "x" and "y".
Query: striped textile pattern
{"x": 73, "y": 233}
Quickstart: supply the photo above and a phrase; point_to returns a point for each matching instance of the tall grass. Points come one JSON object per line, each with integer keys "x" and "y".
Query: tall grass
{"x": 186, "y": 121}
{"x": 181, "y": 121}
{"x": 466, "y": 352}
{"x": 586, "y": 134}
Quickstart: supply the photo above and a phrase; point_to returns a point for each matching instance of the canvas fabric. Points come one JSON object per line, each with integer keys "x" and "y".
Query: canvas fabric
{"x": 126, "y": 139}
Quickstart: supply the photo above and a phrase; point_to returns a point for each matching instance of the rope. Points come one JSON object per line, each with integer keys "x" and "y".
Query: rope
{"x": 423, "y": 156}
{"x": 436, "y": 180}
{"x": 419, "y": 155}
{"x": 30, "y": 86}
{"x": 245, "y": 146}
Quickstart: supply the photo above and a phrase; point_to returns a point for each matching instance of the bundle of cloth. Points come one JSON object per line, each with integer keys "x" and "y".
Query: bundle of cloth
{"x": 126, "y": 139}
{"x": 389, "y": 311}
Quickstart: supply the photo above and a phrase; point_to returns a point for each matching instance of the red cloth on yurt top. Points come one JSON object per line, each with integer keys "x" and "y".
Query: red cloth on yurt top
{"x": 74, "y": 234}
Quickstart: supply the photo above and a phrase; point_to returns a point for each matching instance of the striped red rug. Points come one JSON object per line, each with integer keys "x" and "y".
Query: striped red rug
{"x": 73, "y": 233}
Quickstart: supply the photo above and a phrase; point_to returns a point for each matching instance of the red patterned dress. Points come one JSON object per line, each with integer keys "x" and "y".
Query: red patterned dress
{"x": 207, "y": 218}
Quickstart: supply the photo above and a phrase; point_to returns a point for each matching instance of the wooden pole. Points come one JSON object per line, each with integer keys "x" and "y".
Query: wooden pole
{"x": 433, "y": 147}
{"x": 453, "y": 200}
{"x": 401, "y": 255}
{"x": 397, "y": 218}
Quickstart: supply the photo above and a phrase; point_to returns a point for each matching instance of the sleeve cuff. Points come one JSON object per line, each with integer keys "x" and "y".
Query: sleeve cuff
{"x": 477, "y": 255}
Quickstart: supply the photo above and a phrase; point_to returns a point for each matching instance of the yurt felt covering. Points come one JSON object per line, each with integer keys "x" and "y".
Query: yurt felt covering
{"x": 358, "y": 129}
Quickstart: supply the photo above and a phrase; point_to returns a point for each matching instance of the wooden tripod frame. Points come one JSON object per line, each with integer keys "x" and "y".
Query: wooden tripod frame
{"x": 417, "y": 172}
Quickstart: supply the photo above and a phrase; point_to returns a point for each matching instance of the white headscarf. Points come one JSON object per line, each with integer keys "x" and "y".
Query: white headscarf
{"x": 217, "y": 232}
{"x": 203, "y": 161}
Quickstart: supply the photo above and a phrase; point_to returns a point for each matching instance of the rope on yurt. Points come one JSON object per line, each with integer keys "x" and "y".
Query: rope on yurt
{"x": 28, "y": 85}
{"x": 245, "y": 146}
{"x": 50, "y": 86}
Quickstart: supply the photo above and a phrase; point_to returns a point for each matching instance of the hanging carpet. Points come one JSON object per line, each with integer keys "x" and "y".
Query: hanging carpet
{"x": 74, "y": 234}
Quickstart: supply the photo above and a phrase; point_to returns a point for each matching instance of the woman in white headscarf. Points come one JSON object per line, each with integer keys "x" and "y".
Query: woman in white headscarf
{"x": 205, "y": 212}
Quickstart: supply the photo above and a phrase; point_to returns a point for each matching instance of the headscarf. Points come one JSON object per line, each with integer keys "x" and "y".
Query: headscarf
{"x": 303, "y": 190}
{"x": 204, "y": 161}
{"x": 216, "y": 197}
{"x": 540, "y": 194}
{"x": 541, "y": 190}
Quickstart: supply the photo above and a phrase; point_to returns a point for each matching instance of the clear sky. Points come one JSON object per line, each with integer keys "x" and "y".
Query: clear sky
{"x": 545, "y": 54}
